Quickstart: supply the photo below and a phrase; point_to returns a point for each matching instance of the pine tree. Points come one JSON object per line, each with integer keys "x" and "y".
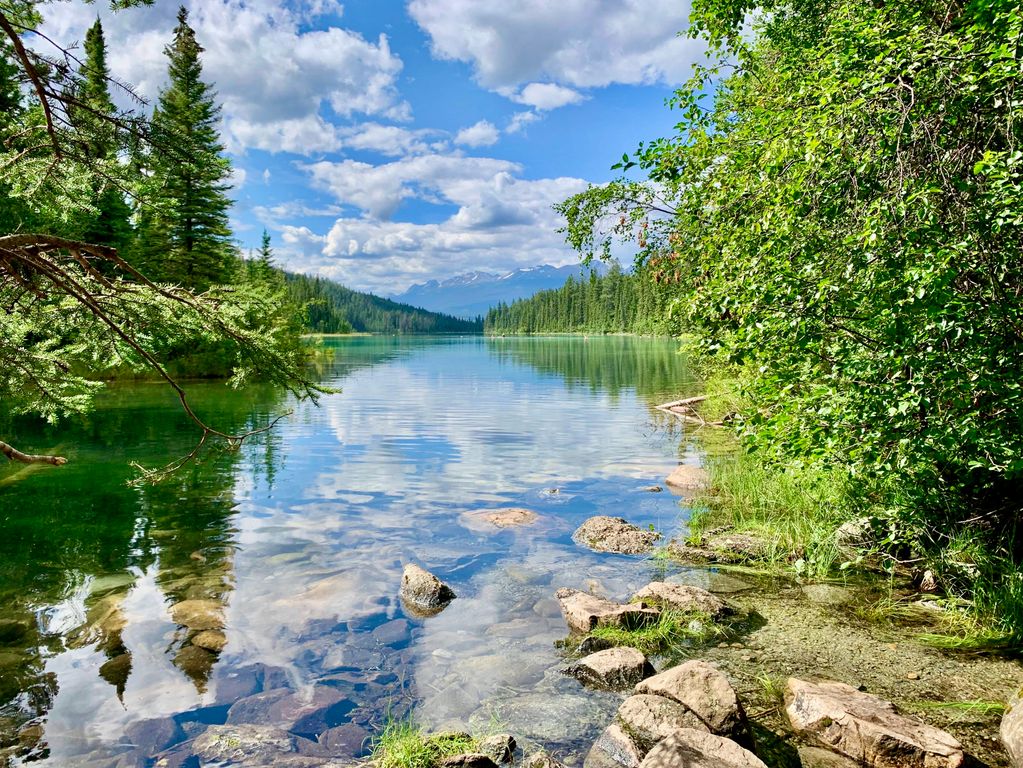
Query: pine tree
{"x": 190, "y": 175}
{"x": 262, "y": 268}
{"x": 110, "y": 225}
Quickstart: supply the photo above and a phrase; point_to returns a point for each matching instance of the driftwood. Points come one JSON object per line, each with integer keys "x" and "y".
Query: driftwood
{"x": 684, "y": 410}
{"x": 14, "y": 454}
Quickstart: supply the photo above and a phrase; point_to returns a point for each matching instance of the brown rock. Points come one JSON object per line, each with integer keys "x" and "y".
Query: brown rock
{"x": 584, "y": 612}
{"x": 614, "y": 534}
{"x": 704, "y": 691}
{"x": 1011, "y": 730}
{"x": 614, "y": 669}
{"x": 540, "y": 759}
{"x": 422, "y": 592}
{"x": 468, "y": 760}
{"x": 683, "y": 597}
{"x": 648, "y": 719}
{"x": 500, "y": 747}
{"x": 210, "y": 639}
{"x": 198, "y": 614}
{"x": 866, "y": 728}
{"x": 689, "y": 748}
{"x": 687, "y": 478}
{"x": 506, "y": 517}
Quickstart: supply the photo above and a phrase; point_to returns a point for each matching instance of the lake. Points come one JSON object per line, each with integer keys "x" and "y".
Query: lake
{"x": 131, "y": 618}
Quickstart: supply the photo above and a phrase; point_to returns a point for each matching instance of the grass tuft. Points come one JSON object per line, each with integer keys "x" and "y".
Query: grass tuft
{"x": 673, "y": 633}
{"x": 401, "y": 743}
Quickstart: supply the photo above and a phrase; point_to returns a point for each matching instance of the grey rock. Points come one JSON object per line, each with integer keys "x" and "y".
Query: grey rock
{"x": 690, "y": 748}
{"x": 584, "y": 612}
{"x": 865, "y": 728}
{"x": 855, "y": 534}
{"x": 250, "y": 745}
{"x": 156, "y": 735}
{"x": 614, "y": 534}
{"x": 683, "y": 597}
{"x": 348, "y": 740}
{"x": 590, "y": 644}
{"x": 506, "y": 517}
{"x": 391, "y": 632}
{"x": 614, "y": 748}
{"x": 302, "y": 713}
{"x": 614, "y": 668}
{"x": 815, "y": 757}
{"x": 423, "y": 593}
{"x": 500, "y": 747}
{"x": 648, "y": 719}
{"x": 705, "y": 691}
{"x": 827, "y": 594}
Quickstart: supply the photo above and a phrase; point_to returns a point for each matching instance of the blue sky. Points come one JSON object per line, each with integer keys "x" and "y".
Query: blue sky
{"x": 388, "y": 142}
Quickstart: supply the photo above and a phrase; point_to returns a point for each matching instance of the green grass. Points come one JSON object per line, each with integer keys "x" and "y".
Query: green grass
{"x": 795, "y": 513}
{"x": 403, "y": 744}
{"x": 964, "y": 710}
{"x": 673, "y": 633}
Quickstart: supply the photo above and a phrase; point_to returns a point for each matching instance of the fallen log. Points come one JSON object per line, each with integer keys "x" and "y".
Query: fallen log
{"x": 14, "y": 454}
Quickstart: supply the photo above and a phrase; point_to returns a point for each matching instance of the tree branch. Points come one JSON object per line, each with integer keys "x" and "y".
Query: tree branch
{"x": 14, "y": 454}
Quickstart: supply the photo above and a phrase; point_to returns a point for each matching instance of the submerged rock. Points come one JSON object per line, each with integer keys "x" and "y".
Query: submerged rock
{"x": 720, "y": 548}
{"x": 198, "y": 614}
{"x": 683, "y": 597}
{"x": 507, "y": 517}
{"x": 422, "y": 592}
{"x": 210, "y": 639}
{"x": 1011, "y": 730}
{"x": 690, "y": 748}
{"x": 688, "y": 478}
{"x": 615, "y": 668}
{"x": 540, "y": 759}
{"x": 867, "y": 728}
{"x": 615, "y": 534}
{"x": 468, "y": 760}
{"x": 705, "y": 691}
{"x": 584, "y": 612}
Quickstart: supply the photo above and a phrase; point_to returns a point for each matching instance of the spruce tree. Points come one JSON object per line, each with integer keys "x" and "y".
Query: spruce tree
{"x": 110, "y": 225}
{"x": 190, "y": 238}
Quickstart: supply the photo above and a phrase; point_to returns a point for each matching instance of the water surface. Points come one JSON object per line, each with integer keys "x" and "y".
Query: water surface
{"x": 296, "y": 543}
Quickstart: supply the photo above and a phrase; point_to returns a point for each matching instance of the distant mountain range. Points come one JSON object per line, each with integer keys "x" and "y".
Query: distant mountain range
{"x": 473, "y": 293}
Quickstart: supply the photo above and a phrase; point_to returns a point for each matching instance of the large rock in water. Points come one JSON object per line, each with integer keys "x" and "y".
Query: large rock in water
{"x": 866, "y": 728}
{"x": 687, "y": 478}
{"x": 689, "y": 748}
{"x": 1011, "y": 730}
{"x": 614, "y": 748}
{"x": 703, "y": 690}
{"x": 648, "y": 719}
{"x": 683, "y": 597}
{"x": 422, "y": 592}
{"x": 584, "y": 612}
{"x": 615, "y": 669}
{"x": 256, "y": 746}
{"x": 614, "y": 534}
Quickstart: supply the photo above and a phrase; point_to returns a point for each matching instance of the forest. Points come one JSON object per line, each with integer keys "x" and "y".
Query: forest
{"x": 617, "y": 302}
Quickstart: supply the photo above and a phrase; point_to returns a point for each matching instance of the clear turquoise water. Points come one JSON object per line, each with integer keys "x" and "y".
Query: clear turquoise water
{"x": 296, "y": 544}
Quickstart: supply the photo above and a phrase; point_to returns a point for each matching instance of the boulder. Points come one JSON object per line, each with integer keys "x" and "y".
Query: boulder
{"x": 688, "y": 478}
{"x": 683, "y": 597}
{"x": 866, "y": 728}
{"x": 584, "y": 612}
{"x": 540, "y": 759}
{"x": 506, "y": 517}
{"x": 423, "y": 593}
{"x": 305, "y": 713}
{"x": 1011, "y": 730}
{"x": 500, "y": 747}
{"x": 468, "y": 760}
{"x": 855, "y": 534}
{"x": 690, "y": 748}
{"x": 648, "y": 719}
{"x": 614, "y": 668}
{"x": 347, "y": 740}
{"x": 705, "y": 691}
{"x": 614, "y": 534}
{"x": 614, "y": 748}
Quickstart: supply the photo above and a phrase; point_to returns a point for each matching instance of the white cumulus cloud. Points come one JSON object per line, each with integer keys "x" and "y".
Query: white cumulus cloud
{"x": 482, "y": 134}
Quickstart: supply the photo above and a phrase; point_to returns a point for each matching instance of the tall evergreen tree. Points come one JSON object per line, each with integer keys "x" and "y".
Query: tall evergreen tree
{"x": 188, "y": 236}
{"x": 110, "y": 225}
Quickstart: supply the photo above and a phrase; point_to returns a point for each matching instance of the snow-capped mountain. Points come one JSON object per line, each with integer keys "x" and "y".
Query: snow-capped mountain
{"x": 473, "y": 293}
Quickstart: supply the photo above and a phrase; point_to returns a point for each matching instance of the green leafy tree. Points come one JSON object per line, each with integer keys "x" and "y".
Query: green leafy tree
{"x": 843, "y": 225}
{"x": 188, "y": 234}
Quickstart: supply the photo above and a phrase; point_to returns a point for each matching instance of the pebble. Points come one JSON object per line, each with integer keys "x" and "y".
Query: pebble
{"x": 913, "y": 676}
